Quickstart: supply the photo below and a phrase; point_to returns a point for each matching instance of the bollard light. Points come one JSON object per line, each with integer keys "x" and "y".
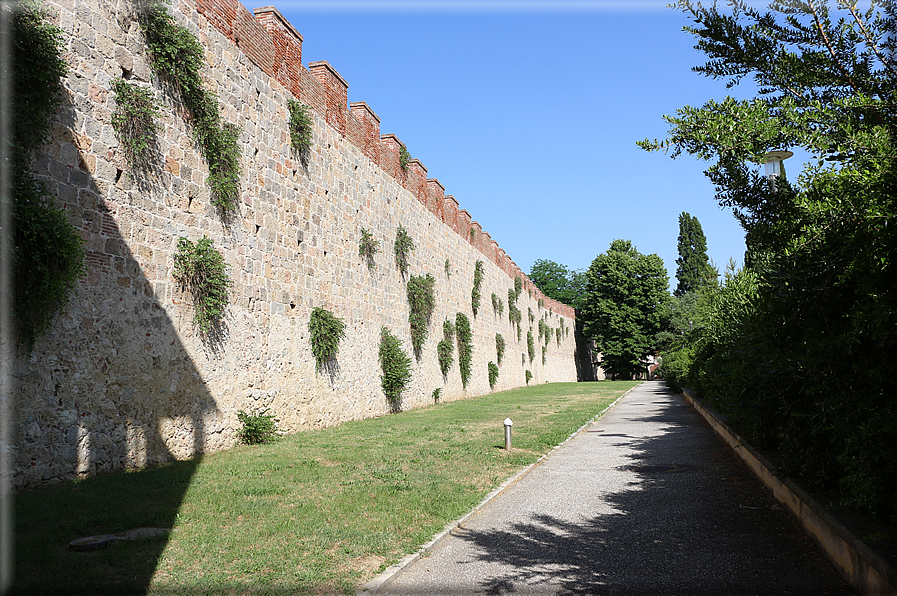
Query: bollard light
{"x": 508, "y": 425}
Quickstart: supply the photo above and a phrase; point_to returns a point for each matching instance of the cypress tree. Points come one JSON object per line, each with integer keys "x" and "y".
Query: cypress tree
{"x": 692, "y": 267}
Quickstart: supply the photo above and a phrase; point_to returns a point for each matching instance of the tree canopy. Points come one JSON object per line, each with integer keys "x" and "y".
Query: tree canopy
{"x": 625, "y": 307}
{"x": 798, "y": 349}
{"x": 558, "y": 282}
{"x": 693, "y": 268}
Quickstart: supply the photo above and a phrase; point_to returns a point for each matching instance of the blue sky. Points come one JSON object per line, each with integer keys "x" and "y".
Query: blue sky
{"x": 528, "y": 113}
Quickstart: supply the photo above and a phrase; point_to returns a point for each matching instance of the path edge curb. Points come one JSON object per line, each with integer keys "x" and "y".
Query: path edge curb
{"x": 863, "y": 569}
{"x": 391, "y": 573}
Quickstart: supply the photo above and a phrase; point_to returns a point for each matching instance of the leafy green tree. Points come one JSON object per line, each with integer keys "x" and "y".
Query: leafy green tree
{"x": 815, "y": 337}
{"x": 625, "y": 307}
{"x": 558, "y": 282}
{"x": 693, "y": 268}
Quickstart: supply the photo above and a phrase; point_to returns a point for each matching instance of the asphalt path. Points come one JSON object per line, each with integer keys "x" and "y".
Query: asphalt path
{"x": 648, "y": 500}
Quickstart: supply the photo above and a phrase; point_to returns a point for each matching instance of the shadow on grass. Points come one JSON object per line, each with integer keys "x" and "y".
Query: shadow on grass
{"x": 111, "y": 386}
{"x": 48, "y": 519}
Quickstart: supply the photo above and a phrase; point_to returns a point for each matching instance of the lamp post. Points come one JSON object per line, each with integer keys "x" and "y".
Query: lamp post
{"x": 772, "y": 161}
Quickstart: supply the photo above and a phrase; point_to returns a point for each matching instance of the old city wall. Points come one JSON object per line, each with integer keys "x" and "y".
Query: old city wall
{"x": 123, "y": 379}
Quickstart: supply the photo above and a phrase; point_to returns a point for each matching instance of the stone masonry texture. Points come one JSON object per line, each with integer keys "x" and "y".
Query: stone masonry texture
{"x": 124, "y": 380}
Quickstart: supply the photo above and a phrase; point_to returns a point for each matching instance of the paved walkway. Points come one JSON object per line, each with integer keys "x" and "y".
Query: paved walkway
{"x": 647, "y": 501}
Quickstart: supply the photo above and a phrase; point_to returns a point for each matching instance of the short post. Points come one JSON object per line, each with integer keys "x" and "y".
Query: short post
{"x": 508, "y": 425}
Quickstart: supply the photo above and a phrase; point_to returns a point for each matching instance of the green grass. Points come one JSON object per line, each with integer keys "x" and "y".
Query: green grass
{"x": 313, "y": 513}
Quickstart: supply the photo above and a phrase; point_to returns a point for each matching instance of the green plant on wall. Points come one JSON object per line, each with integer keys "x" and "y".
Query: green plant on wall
{"x": 448, "y": 268}
{"x": 325, "y": 331}
{"x": 402, "y": 248}
{"x": 530, "y": 345}
{"x": 493, "y": 374}
{"x": 473, "y": 234}
{"x": 404, "y": 158}
{"x": 446, "y": 347}
{"x": 499, "y": 347}
{"x": 47, "y": 250}
{"x": 134, "y": 119}
{"x": 437, "y": 393}
{"x": 541, "y": 303}
{"x": 395, "y": 365}
{"x": 301, "y": 126}
{"x": 544, "y": 353}
{"x": 560, "y": 333}
{"x": 465, "y": 346}
{"x": 532, "y": 317}
{"x": 476, "y": 292}
{"x": 258, "y": 427}
{"x": 518, "y": 287}
{"x": 178, "y": 57}
{"x": 202, "y": 271}
{"x": 421, "y": 301}
{"x": 367, "y": 248}
{"x": 515, "y": 317}
{"x": 497, "y": 305}
{"x": 529, "y": 377}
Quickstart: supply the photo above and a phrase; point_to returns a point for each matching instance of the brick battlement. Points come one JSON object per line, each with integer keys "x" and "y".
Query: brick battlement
{"x": 275, "y": 46}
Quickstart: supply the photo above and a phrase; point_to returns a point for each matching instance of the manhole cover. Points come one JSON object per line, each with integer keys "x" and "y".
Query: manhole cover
{"x": 92, "y": 542}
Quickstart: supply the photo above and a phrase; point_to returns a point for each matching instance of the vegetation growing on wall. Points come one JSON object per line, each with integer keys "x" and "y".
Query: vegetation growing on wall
{"x": 448, "y": 268}
{"x": 544, "y": 353}
{"x": 446, "y": 347}
{"x": 404, "y": 158}
{"x": 497, "y": 305}
{"x": 368, "y": 248}
{"x": 48, "y": 254}
{"x": 499, "y": 347}
{"x": 134, "y": 119}
{"x": 529, "y": 377}
{"x": 465, "y": 346}
{"x": 201, "y": 270}
{"x": 178, "y": 58}
{"x": 493, "y": 374}
{"x": 421, "y": 302}
{"x": 395, "y": 365}
{"x": 530, "y": 345}
{"x": 325, "y": 331}
{"x": 402, "y": 249}
{"x": 301, "y": 126}
{"x": 476, "y": 292}
{"x": 518, "y": 287}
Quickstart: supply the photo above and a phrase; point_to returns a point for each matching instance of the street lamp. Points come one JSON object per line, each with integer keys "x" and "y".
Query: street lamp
{"x": 772, "y": 161}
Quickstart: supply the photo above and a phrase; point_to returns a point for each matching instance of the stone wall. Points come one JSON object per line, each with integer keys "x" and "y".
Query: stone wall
{"x": 123, "y": 380}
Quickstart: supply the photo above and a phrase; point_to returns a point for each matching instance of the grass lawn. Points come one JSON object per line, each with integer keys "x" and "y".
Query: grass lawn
{"x": 313, "y": 513}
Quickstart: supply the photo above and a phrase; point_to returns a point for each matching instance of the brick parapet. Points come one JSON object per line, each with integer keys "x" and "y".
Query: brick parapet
{"x": 435, "y": 197}
{"x": 287, "y": 47}
{"x": 335, "y": 94}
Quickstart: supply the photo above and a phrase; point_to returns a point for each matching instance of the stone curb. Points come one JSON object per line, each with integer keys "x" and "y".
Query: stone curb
{"x": 394, "y": 571}
{"x": 866, "y": 572}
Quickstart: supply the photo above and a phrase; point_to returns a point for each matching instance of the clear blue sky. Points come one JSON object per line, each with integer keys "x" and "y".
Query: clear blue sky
{"x": 528, "y": 113}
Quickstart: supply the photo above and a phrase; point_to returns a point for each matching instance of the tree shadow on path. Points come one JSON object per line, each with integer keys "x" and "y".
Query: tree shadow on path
{"x": 691, "y": 520}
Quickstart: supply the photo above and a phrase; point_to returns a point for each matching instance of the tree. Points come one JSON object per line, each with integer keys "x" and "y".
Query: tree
{"x": 815, "y": 338}
{"x": 558, "y": 282}
{"x": 625, "y": 306}
{"x": 693, "y": 268}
